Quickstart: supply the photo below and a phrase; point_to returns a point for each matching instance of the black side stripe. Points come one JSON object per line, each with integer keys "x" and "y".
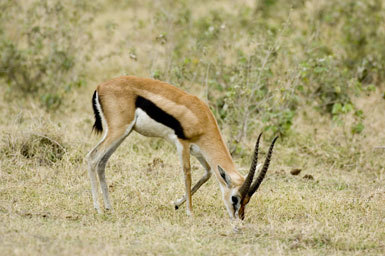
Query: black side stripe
{"x": 160, "y": 116}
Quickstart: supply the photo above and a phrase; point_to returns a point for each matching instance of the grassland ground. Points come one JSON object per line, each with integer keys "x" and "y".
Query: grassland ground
{"x": 334, "y": 206}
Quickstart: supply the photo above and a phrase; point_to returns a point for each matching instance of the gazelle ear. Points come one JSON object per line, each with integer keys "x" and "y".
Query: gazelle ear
{"x": 226, "y": 178}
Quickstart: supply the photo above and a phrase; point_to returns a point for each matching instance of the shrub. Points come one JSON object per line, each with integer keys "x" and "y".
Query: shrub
{"x": 40, "y": 148}
{"x": 41, "y": 48}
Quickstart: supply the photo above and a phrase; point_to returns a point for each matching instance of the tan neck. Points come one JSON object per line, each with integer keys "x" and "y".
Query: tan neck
{"x": 217, "y": 153}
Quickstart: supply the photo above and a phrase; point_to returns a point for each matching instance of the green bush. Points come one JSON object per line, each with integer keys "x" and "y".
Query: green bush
{"x": 239, "y": 80}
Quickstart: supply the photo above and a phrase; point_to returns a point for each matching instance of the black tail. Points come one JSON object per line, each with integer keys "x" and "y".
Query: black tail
{"x": 98, "y": 127}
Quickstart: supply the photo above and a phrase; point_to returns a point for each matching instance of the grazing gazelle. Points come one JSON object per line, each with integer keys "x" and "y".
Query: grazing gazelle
{"x": 158, "y": 109}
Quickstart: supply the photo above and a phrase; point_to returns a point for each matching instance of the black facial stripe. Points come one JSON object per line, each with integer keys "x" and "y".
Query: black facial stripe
{"x": 160, "y": 116}
{"x": 223, "y": 175}
{"x": 235, "y": 202}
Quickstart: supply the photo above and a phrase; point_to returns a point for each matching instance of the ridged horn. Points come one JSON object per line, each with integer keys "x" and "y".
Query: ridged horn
{"x": 249, "y": 179}
{"x": 262, "y": 174}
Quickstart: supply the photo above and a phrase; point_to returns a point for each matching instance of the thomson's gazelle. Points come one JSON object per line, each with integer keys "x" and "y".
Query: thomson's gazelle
{"x": 158, "y": 109}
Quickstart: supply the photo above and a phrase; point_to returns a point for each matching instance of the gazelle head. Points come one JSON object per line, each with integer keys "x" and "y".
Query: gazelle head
{"x": 237, "y": 197}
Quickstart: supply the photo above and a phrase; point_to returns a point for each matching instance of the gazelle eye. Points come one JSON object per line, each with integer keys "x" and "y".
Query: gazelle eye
{"x": 234, "y": 199}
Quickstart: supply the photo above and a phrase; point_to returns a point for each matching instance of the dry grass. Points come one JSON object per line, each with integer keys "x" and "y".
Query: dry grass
{"x": 335, "y": 206}
{"x": 45, "y": 202}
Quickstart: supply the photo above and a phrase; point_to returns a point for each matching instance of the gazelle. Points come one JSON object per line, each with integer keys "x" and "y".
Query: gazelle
{"x": 158, "y": 109}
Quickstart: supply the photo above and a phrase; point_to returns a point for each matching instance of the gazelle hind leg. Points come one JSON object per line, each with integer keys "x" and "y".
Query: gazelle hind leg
{"x": 92, "y": 163}
{"x": 202, "y": 181}
{"x": 94, "y": 187}
{"x": 111, "y": 143}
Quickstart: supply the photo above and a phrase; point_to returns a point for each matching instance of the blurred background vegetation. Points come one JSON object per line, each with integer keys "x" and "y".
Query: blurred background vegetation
{"x": 311, "y": 71}
{"x": 258, "y": 64}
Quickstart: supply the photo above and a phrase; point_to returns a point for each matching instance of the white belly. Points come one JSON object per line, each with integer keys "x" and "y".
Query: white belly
{"x": 147, "y": 126}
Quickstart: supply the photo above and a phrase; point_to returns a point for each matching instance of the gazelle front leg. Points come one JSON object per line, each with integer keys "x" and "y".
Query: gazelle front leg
{"x": 202, "y": 181}
{"x": 184, "y": 154}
